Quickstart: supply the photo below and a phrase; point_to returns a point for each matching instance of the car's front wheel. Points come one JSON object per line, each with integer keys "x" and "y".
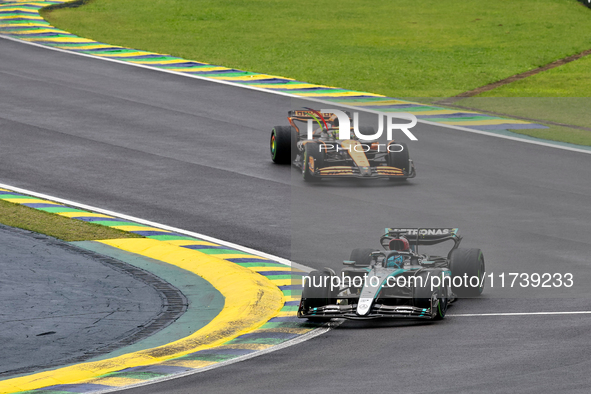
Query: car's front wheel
{"x": 361, "y": 256}
{"x": 426, "y": 295}
{"x": 398, "y": 156}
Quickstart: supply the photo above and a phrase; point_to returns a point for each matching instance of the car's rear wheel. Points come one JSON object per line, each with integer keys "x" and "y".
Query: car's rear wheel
{"x": 313, "y": 160}
{"x": 467, "y": 263}
{"x": 399, "y": 157}
{"x": 317, "y": 292}
{"x": 283, "y": 144}
{"x": 361, "y": 256}
{"x": 425, "y": 296}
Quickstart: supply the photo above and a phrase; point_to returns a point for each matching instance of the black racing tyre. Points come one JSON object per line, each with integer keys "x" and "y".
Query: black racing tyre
{"x": 313, "y": 159}
{"x": 283, "y": 144}
{"x": 317, "y": 292}
{"x": 361, "y": 256}
{"x": 467, "y": 263}
{"x": 399, "y": 159}
{"x": 424, "y": 296}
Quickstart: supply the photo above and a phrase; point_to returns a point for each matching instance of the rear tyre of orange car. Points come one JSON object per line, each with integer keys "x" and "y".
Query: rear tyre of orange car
{"x": 399, "y": 159}
{"x": 283, "y": 144}
{"x": 313, "y": 160}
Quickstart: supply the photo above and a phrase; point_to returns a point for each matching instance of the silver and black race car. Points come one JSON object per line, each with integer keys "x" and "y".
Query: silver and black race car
{"x": 325, "y": 156}
{"x": 399, "y": 281}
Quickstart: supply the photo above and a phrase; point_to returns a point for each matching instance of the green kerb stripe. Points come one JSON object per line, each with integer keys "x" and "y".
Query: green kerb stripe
{"x": 61, "y": 209}
{"x": 135, "y": 375}
{"x": 288, "y": 276}
{"x": 112, "y": 223}
{"x": 208, "y": 357}
{"x": 290, "y": 325}
{"x": 270, "y": 264}
{"x": 264, "y": 341}
{"x": 292, "y": 293}
{"x": 229, "y": 75}
{"x": 173, "y": 238}
{"x": 465, "y": 119}
{"x": 6, "y": 196}
{"x": 362, "y": 100}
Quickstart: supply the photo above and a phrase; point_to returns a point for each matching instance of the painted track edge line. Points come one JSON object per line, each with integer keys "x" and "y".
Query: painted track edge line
{"x": 521, "y": 313}
{"x": 234, "y": 84}
{"x": 163, "y": 226}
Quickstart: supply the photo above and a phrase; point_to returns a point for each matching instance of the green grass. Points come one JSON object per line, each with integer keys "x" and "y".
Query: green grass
{"x": 403, "y": 48}
{"x": 15, "y": 215}
{"x": 560, "y": 134}
{"x": 564, "y": 110}
{"x": 569, "y": 80}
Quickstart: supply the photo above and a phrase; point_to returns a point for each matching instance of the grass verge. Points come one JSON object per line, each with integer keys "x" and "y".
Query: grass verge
{"x": 15, "y": 215}
{"x": 403, "y": 48}
{"x": 558, "y": 95}
{"x": 559, "y": 134}
{"x": 570, "y": 114}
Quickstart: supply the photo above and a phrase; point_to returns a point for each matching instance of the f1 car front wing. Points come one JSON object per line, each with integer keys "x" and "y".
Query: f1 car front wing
{"x": 365, "y": 172}
{"x": 377, "y": 311}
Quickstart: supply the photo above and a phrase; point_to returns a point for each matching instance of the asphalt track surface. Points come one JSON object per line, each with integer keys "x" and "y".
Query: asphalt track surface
{"x": 194, "y": 154}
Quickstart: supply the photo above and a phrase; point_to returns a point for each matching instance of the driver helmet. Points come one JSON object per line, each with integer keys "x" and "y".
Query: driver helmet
{"x": 396, "y": 261}
{"x": 400, "y": 244}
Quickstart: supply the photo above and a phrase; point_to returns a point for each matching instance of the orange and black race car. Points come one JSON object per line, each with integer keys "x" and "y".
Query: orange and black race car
{"x": 325, "y": 156}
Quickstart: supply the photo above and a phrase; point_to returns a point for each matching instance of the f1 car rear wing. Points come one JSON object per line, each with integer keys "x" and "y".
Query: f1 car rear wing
{"x": 422, "y": 236}
{"x": 301, "y": 114}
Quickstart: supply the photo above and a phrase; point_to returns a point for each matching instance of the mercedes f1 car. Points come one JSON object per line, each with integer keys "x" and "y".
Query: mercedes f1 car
{"x": 398, "y": 281}
{"x": 326, "y": 156}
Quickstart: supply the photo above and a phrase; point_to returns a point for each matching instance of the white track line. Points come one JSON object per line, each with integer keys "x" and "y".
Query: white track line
{"x": 520, "y": 314}
{"x": 162, "y": 226}
{"x": 358, "y": 109}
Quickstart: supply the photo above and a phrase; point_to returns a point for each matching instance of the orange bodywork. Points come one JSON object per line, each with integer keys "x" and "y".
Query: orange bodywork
{"x": 358, "y": 156}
